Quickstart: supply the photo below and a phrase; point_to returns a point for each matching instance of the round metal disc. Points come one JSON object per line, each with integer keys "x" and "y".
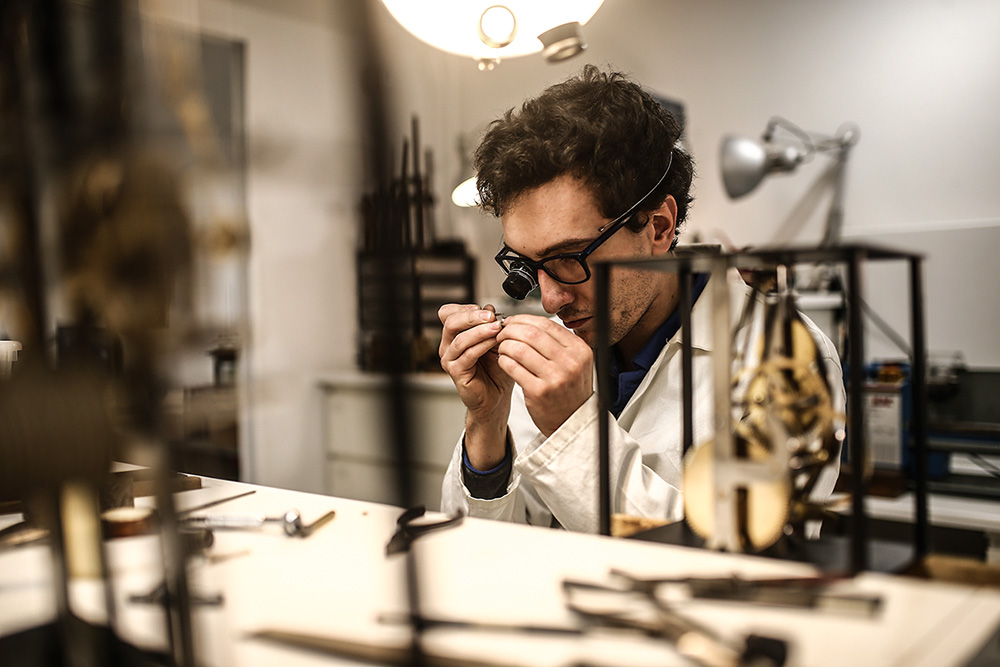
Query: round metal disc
{"x": 767, "y": 502}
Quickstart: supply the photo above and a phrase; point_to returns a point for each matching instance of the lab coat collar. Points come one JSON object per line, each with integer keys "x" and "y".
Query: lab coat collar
{"x": 701, "y": 312}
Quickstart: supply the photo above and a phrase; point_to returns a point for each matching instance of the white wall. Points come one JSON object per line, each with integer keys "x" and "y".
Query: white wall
{"x": 304, "y": 149}
{"x": 919, "y": 77}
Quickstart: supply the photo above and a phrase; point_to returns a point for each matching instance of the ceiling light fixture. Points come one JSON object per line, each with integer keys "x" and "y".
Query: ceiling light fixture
{"x": 497, "y": 27}
{"x": 488, "y": 31}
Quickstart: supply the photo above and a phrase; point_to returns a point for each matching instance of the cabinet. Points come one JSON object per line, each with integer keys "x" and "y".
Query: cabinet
{"x": 203, "y": 429}
{"x": 357, "y": 435}
{"x": 963, "y": 422}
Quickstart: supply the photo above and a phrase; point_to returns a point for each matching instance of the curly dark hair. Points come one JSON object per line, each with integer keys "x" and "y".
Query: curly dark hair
{"x": 600, "y": 127}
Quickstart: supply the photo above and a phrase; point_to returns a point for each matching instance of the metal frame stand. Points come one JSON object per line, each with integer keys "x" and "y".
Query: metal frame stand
{"x": 853, "y": 257}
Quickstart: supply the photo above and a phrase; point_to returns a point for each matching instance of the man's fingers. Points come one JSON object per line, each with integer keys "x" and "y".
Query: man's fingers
{"x": 533, "y": 382}
{"x": 525, "y": 355}
{"x": 467, "y": 354}
{"x": 524, "y": 324}
{"x": 469, "y": 345}
{"x": 561, "y": 367}
{"x": 450, "y": 309}
{"x": 463, "y": 318}
{"x": 545, "y": 340}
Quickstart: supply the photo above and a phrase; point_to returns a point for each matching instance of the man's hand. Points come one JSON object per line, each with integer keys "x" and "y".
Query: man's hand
{"x": 553, "y": 366}
{"x": 468, "y": 354}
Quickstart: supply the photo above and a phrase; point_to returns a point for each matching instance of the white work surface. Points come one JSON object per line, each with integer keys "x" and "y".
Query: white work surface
{"x": 337, "y": 582}
{"x": 942, "y": 510}
{"x": 976, "y": 514}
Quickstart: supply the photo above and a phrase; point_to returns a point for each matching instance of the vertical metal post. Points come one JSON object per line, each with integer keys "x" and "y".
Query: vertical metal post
{"x": 727, "y": 535}
{"x": 687, "y": 374}
{"x": 603, "y": 394}
{"x": 918, "y": 422}
{"x": 855, "y": 413}
{"x": 389, "y": 321}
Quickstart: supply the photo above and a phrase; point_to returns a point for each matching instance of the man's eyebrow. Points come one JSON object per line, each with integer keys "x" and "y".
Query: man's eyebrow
{"x": 563, "y": 246}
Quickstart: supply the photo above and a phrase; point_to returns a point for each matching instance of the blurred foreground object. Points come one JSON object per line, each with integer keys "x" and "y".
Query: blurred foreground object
{"x": 110, "y": 175}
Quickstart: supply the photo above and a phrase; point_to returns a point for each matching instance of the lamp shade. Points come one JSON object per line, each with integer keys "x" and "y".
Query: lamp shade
{"x": 746, "y": 161}
{"x": 744, "y": 164}
{"x": 488, "y": 30}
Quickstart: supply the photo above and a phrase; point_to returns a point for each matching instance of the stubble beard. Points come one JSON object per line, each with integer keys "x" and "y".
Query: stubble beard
{"x": 634, "y": 302}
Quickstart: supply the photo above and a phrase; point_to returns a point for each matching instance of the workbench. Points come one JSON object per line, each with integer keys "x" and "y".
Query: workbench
{"x": 338, "y": 585}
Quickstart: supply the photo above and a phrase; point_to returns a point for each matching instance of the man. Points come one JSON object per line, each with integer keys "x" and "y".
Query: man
{"x": 589, "y": 170}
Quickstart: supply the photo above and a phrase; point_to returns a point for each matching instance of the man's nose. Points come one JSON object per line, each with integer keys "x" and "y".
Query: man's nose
{"x": 555, "y": 295}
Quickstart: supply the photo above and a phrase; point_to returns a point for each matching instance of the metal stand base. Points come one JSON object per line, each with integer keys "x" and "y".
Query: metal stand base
{"x": 43, "y": 645}
{"x": 831, "y": 554}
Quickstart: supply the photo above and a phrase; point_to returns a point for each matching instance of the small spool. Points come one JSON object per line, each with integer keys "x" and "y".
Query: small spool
{"x": 128, "y": 522}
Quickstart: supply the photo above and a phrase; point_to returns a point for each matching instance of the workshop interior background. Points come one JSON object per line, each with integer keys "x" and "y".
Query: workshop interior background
{"x": 918, "y": 77}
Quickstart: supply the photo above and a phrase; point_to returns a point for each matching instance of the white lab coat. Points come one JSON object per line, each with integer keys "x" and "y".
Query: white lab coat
{"x": 555, "y": 480}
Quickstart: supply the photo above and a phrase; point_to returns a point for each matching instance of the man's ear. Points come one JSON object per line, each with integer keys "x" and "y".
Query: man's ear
{"x": 664, "y": 225}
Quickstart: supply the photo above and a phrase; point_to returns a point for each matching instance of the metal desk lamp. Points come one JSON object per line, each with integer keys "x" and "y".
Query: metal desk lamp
{"x": 747, "y": 161}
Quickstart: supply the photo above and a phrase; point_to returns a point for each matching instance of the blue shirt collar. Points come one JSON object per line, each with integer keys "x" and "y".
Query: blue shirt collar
{"x": 628, "y": 381}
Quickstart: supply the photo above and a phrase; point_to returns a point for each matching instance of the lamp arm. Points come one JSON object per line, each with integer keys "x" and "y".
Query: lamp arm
{"x": 835, "y": 216}
{"x": 847, "y": 136}
{"x": 777, "y": 122}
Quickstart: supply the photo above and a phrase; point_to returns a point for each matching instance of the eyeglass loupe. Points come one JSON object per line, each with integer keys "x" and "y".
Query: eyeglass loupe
{"x": 520, "y": 281}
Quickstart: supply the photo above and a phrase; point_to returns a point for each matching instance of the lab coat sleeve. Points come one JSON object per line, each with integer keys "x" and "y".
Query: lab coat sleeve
{"x": 456, "y": 499}
{"x": 564, "y": 472}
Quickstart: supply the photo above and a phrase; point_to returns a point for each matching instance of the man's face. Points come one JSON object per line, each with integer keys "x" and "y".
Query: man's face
{"x": 563, "y": 216}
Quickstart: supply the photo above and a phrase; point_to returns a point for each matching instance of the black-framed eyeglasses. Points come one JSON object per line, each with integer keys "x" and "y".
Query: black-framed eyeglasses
{"x": 569, "y": 268}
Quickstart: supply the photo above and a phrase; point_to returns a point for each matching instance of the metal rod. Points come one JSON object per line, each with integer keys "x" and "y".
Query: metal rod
{"x": 687, "y": 374}
{"x": 603, "y": 396}
{"x": 396, "y": 406}
{"x": 418, "y": 186}
{"x": 70, "y": 643}
{"x": 855, "y": 412}
{"x": 213, "y": 503}
{"x": 177, "y": 598}
{"x": 22, "y": 266}
{"x": 725, "y": 502}
{"x": 918, "y": 387}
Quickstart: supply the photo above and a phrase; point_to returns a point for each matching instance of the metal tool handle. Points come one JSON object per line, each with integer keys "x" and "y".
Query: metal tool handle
{"x": 291, "y": 522}
{"x": 225, "y": 522}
